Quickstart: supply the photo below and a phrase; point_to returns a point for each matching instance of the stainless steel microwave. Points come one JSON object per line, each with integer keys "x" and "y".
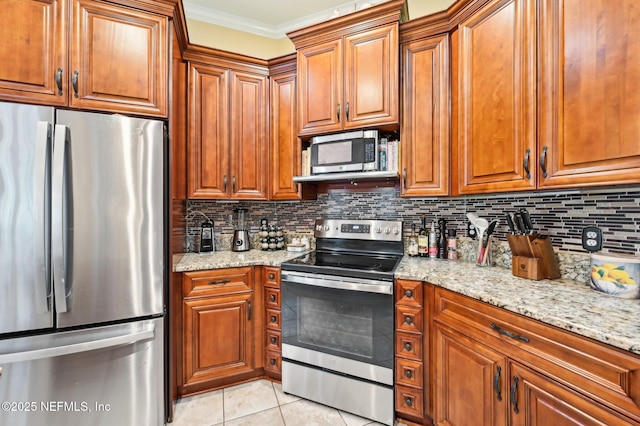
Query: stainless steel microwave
{"x": 345, "y": 152}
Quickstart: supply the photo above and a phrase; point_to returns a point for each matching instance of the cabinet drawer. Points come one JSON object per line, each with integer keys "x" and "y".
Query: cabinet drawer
{"x": 273, "y": 340}
{"x": 409, "y": 373}
{"x": 271, "y": 277}
{"x": 409, "y": 346}
{"x": 408, "y": 292}
{"x": 409, "y": 319}
{"x": 409, "y": 401}
{"x": 606, "y": 374}
{"x": 273, "y": 362}
{"x": 273, "y": 319}
{"x": 272, "y": 297}
{"x": 217, "y": 281}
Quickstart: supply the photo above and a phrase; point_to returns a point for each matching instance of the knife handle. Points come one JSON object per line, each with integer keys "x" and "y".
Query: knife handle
{"x": 519, "y": 222}
{"x": 526, "y": 218}
{"x": 512, "y": 227}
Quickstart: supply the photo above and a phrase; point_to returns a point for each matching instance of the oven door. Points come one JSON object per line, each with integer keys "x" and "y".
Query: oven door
{"x": 342, "y": 324}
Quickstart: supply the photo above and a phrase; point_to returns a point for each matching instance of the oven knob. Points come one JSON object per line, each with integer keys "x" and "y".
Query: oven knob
{"x": 318, "y": 227}
{"x": 378, "y": 230}
{"x": 326, "y": 228}
{"x": 396, "y": 231}
{"x": 387, "y": 230}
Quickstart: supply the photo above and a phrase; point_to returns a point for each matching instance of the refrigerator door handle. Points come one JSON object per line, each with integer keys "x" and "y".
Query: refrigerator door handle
{"x": 126, "y": 339}
{"x": 58, "y": 219}
{"x": 40, "y": 206}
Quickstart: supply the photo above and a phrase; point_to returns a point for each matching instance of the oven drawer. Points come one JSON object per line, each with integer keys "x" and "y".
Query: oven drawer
{"x": 409, "y": 319}
{"x": 273, "y": 317}
{"x": 409, "y": 373}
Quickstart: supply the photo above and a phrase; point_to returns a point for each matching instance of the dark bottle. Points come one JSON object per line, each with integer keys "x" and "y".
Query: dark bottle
{"x": 442, "y": 238}
{"x": 423, "y": 239}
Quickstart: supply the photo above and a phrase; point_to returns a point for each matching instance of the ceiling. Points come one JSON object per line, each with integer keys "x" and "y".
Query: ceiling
{"x": 273, "y": 18}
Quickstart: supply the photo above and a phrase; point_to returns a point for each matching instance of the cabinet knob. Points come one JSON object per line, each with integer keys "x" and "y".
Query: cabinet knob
{"x": 409, "y": 402}
{"x": 408, "y": 320}
{"x": 272, "y": 361}
{"x": 272, "y": 297}
{"x": 408, "y": 374}
{"x": 408, "y": 347}
{"x": 408, "y": 293}
{"x": 272, "y": 318}
{"x": 272, "y": 276}
{"x": 273, "y": 340}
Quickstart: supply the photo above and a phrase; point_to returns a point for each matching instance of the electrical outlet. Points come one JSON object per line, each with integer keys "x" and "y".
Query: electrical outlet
{"x": 592, "y": 238}
{"x": 471, "y": 231}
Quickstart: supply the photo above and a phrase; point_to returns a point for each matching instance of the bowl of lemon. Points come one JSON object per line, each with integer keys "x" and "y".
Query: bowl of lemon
{"x": 616, "y": 275}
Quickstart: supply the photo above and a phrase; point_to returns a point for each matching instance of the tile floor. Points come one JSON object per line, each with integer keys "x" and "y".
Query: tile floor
{"x": 258, "y": 403}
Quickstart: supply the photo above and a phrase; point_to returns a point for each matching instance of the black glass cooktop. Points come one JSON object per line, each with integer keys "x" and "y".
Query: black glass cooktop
{"x": 345, "y": 264}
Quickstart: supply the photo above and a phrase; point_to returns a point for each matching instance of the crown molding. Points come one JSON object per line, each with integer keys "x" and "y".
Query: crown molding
{"x": 227, "y": 20}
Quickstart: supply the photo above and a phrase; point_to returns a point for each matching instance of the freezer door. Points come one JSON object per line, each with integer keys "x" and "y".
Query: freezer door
{"x": 110, "y": 375}
{"x": 107, "y": 217}
{"x": 25, "y": 292}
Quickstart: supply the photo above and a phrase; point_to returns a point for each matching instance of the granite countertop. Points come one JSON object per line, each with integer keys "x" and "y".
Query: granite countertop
{"x": 566, "y": 304}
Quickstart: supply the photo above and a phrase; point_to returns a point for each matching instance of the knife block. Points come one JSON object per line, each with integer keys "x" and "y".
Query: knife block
{"x": 533, "y": 257}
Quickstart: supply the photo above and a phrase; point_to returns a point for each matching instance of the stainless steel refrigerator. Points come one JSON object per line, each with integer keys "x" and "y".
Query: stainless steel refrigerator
{"x": 82, "y": 268}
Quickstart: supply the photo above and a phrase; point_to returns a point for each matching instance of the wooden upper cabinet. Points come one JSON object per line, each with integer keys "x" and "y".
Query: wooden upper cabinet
{"x": 106, "y": 58}
{"x": 493, "y": 99}
{"x": 348, "y": 71}
{"x": 589, "y": 62}
{"x": 33, "y": 47}
{"x": 425, "y": 117}
{"x": 119, "y": 59}
{"x": 285, "y": 147}
{"x": 228, "y": 133}
{"x": 320, "y": 95}
{"x": 208, "y": 145}
{"x": 372, "y": 76}
{"x": 249, "y": 136}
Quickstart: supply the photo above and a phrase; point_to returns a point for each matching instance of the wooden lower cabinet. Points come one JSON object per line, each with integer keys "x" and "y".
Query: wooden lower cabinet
{"x": 272, "y": 322}
{"x": 221, "y": 329}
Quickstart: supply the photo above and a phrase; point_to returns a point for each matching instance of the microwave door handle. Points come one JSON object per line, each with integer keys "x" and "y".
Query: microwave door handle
{"x": 41, "y": 195}
{"x": 58, "y": 220}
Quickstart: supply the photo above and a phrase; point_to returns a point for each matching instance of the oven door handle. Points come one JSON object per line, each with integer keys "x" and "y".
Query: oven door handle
{"x": 329, "y": 281}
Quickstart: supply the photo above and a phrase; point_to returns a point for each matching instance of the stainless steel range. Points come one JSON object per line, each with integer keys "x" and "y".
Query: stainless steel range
{"x": 337, "y": 317}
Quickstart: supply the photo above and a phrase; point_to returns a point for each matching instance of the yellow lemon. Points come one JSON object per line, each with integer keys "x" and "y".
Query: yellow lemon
{"x": 627, "y": 281}
{"x": 608, "y": 266}
{"x": 595, "y": 276}
{"x": 618, "y": 274}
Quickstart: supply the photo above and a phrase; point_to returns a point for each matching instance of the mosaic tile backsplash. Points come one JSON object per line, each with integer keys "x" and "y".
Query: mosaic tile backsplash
{"x": 559, "y": 214}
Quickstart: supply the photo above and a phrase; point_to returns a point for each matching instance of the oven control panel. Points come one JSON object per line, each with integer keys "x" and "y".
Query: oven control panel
{"x": 376, "y": 230}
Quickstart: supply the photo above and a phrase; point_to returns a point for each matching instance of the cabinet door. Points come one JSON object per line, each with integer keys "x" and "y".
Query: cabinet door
{"x": 590, "y": 92}
{"x": 218, "y": 338}
{"x": 371, "y": 78}
{"x": 119, "y": 59}
{"x": 34, "y": 51}
{"x": 320, "y": 102}
{"x": 425, "y": 117}
{"x": 285, "y": 148}
{"x": 208, "y": 149}
{"x": 536, "y": 400}
{"x": 470, "y": 381}
{"x": 249, "y": 136}
{"x": 493, "y": 99}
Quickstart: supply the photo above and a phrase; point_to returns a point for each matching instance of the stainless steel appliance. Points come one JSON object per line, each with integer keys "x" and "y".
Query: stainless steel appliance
{"x": 240, "y": 240}
{"x": 345, "y": 152}
{"x": 337, "y": 317}
{"x": 83, "y": 261}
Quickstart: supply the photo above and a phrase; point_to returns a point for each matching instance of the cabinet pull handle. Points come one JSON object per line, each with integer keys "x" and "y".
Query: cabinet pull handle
{"x": 513, "y": 395}
{"x": 496, "y": 383}
{"x": 404, "y": 178}
{"x": 224, "y": 183}
{"x": 408, "y": 293}
{"x": 346, "y": 110}
{"x": 408, "y": 374}
{"x": 59, "y": 81}
{"x": 338, "y": 111}
{"x": 272, "y": 298}
{"x": 249, "y": 310}
{"x": 509, "y": 333}
{"x": 408, "y": 347}
{"x": 543, "y": 162}
{"x": 218, "y": 282}
{"x": 74, "y": 83}
{"x": 233, "y": 183}
{"x": 526, "y": 163}
{"x": 408, "y": 320}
